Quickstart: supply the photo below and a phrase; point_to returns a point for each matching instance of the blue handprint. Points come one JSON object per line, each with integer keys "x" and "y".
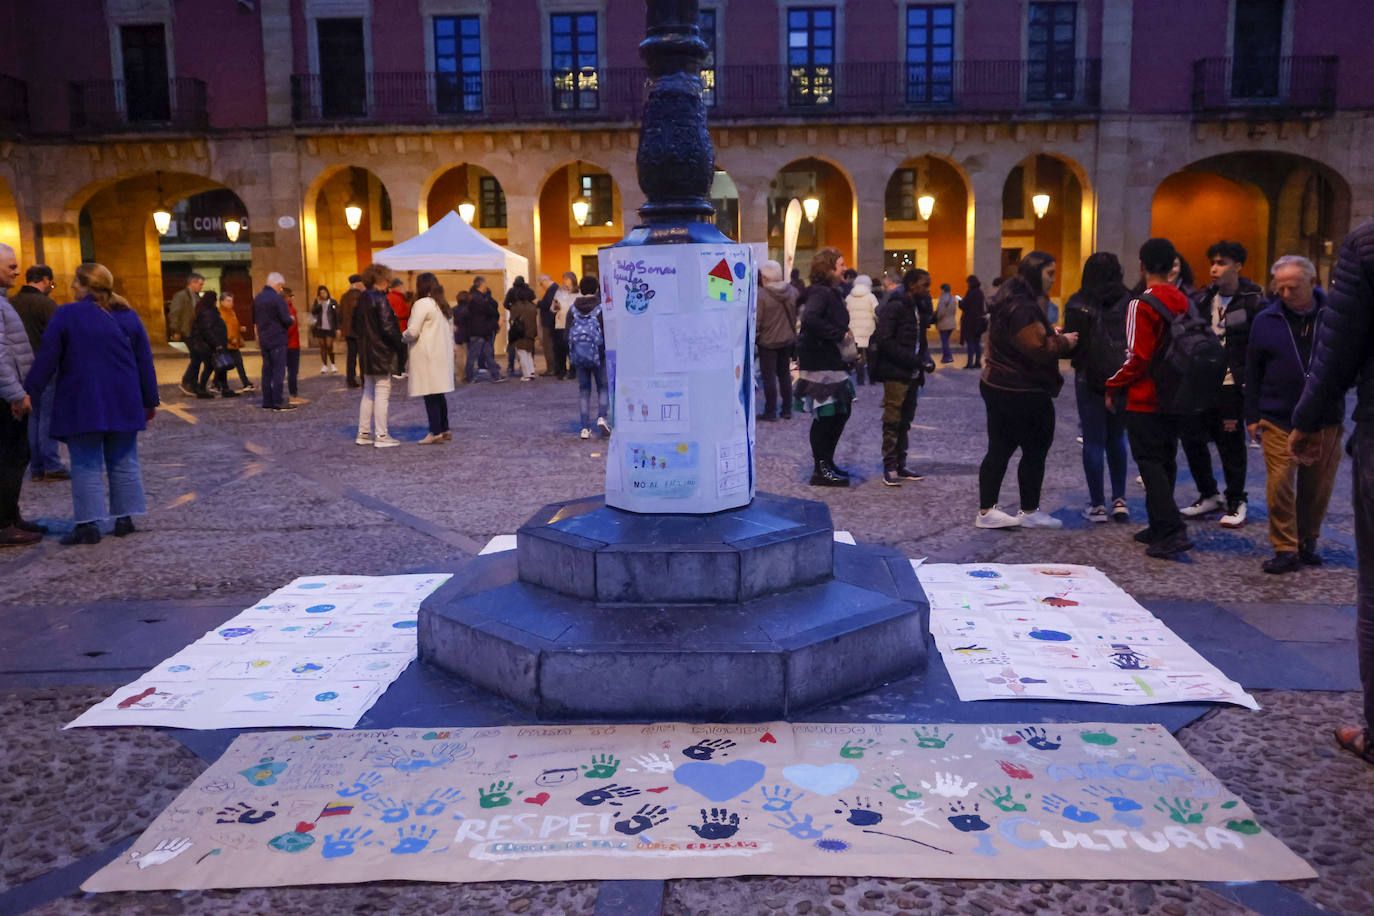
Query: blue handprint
{"x": 413, "y": 839}
{"x": 802, "y": 829}
{"x": 392, "y": 811}
{"x": 1121, "y": 805}
{"x": 1057, "y": 804}
{"x": 341, "y": 843}
{"x": 1039, "y": 739}
{"x": 438, "y": 800}
{"x": 779, "y": 798}
{"x": 361, "y": 784}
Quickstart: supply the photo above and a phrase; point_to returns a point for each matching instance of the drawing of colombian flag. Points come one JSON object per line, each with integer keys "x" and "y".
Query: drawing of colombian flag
{"x": 336, "y": 807}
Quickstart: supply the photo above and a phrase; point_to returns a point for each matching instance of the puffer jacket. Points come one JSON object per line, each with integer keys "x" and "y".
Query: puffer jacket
{"x": 378, "y": 332}
{"x": 896, "y": 349}
{"x": 16, "y": 353}
{"x": 208, "y": 331}
{"x": 1343, "y": 354}
{"x": 863, "y": 313}
{"x": 1239, "y": 317}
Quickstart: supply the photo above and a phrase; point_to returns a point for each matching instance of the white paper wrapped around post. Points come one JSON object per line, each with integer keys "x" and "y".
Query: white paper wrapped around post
{"x": 679, "y": 359}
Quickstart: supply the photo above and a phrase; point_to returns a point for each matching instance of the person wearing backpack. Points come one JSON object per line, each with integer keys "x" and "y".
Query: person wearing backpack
{"x": 587, "y": 353}
{"x": 1097, "y": 312}
{"x": 1231, "y": 303}
{"x": 1152, "y": 427}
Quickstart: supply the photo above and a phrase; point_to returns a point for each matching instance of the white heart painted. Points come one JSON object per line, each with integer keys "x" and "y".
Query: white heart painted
{"x": 826, "y": 780}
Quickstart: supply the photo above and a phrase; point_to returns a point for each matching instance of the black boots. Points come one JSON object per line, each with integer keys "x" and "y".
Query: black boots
{"x": 124, "y": 526}
{"x": 825, "y": 475}
{"x": 84, "y": 533}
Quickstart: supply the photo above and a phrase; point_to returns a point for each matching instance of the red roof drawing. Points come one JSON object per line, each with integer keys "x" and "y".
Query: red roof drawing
{"x": 722, "y": 270}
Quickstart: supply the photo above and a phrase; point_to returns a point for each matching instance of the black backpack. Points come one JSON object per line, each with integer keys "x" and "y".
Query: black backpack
{"x": 517, "y": 329}
{"x": 1189, "y": 364}
{"x": 1107, "y": 345}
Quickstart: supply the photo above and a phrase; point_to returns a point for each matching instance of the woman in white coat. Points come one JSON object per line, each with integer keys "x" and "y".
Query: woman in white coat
{"x": 429, "y": 334}
{"x": 862, "y": 306}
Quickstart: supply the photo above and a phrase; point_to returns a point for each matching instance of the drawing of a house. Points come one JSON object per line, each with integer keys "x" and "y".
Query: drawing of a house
{"x": 720, "y": 283}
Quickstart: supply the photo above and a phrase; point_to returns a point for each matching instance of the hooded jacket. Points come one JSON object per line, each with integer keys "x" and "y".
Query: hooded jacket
{"x": 863, "y": 307}
{"x": 1023, "y": 349}
{"x": 1236, "y": 320}
{"x": 777, "y": 315}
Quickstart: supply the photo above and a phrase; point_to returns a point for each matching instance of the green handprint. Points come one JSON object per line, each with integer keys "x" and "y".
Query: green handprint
{"x": 1003, "y": 799}
{"x": 930, "y": 737}
{"x": 602, "y": 767}
{"x": 1180, "y": 810}
{"x": 855, "y": 749}
{"x": 895, "y": 787}
{"x": 496, "y": 795}
{"x": 1101, "y": 737}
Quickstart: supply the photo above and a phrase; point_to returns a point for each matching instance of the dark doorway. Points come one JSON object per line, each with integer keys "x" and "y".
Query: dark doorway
{"x": 146, "y": 88}
{"x": 343, "y": 68}
{"x": 1051, "y": 44}
{"x": 1257, "y": 43}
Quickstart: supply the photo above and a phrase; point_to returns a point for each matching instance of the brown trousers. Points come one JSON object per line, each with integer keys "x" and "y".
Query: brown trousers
{"x": 1297, "y": 494}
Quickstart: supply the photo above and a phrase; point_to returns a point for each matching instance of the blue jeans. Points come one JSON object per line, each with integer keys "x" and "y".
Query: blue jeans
{"x": 273, "y": 376}
{"x": 45, "y": 454}
{"x": 945, "y": 355}
{"x": 482, "y": 355}
{"x": 117, "y": 455}
{"x": 1103, "y": 431}
{"x": 584, "y": 392}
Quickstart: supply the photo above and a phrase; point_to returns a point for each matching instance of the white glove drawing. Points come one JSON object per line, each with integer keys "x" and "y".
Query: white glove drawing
{"x": 163, "y": 852}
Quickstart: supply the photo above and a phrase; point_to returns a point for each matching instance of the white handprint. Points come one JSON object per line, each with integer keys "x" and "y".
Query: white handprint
{"x": 1093, "y": 750}
{"x": 656, "y": 763}
{"x": 990, "y": 738}
{"x": 163, "y": 852}
{"x": 916, "y": 808}
{"x": 949, "y": 786}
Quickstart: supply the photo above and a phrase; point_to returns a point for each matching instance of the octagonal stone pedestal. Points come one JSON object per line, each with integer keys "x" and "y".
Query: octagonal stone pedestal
{"x": 748, "y": 614}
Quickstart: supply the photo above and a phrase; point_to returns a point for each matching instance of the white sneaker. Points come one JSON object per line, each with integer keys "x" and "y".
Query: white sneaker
{"x": 363, "y": 439}
{"x": 603, "y": 427}
{"x": 324, "y": 370}
{"x": 1204, "y": 505}
{"x": 1119, "y": 511}
{"x": 996, "y": 518}
{"x": 1037, "y": 519}
{"x": 1095, "y": 513}
{"x": 1235, "y": 516}
{"x": 585, "y": 434}
{"x": 333, "y": 369}
{"x": 385, "y": 441}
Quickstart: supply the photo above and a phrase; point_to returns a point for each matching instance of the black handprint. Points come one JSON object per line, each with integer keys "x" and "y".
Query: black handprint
{"x": 647, "y": 816}
{"x": 593, "y": 797}
{"x": 720, "y": 824}
{"x": 703, "y": 750}
{"x": 243, "y": 813}
{"x": 964, "y": 820}
{"x": 861, "y": 813}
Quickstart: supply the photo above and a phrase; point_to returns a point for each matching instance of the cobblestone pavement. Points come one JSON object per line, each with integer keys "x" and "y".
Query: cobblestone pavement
{"x": 242, "y": 500}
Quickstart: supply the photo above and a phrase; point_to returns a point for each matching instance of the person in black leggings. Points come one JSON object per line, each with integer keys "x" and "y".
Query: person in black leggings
{"x": 823, "y": 386}
{"x": 1019, "y": 384}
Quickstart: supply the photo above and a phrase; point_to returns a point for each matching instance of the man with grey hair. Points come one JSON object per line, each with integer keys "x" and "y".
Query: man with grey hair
{"x": 1276, "y": 366}
{"x": 180, "y": 314}
{"x": 16, "y": 356}
{"x": 272, "y": 318}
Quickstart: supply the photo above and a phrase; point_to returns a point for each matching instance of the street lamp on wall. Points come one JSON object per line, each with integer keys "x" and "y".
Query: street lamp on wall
{"x": 162, "y": 217}
{"x": 580, "y": 208}
{"x": 925, "y": 205}
{"x": 232, "y": 228}
{"x": 811, "y": 206}
{"x": 353, "y": 215}
{"x": 467, "y": 210}
{"x": 1041, "y": 204}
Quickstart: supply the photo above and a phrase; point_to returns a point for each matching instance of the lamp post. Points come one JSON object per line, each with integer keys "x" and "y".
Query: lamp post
{"x": 811, "y": 206}
{"x": 1041, "y": 204}
{"x": 353, "y": 215}
{"x": 467, "y": 211}
{"x": 925, "y": 205}
{"x": 232, "y": 228}
{"x": 162, "y": 217}
{"x": 579, "y": 209}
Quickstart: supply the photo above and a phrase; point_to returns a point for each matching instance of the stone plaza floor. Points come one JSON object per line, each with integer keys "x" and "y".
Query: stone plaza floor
{"x": 242, "y": 500}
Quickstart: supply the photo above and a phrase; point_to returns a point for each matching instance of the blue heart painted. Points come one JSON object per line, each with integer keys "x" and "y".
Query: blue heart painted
{"x": 719, "y": 781}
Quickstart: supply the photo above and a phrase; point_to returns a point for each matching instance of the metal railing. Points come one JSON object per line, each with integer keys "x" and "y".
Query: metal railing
{"x": 762, "y": 91}
{"x": 112, "y": 105}
{"x": 1240, "y": 84}
{"x": 14, "y": 106}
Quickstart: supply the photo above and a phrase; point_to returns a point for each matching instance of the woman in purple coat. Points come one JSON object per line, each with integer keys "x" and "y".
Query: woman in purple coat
{"x": 106, "y": 394}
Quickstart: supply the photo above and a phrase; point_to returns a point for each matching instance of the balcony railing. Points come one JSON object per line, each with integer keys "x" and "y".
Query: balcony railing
{"x": 1238, "y": 84}
{"x": 14, "y": 106}
{"x": 765, "y": 91}
{"x": 105, "y": 106}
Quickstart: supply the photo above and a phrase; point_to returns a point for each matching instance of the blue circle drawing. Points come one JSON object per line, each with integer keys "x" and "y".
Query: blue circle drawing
{"x": 985, "y": 574}
{"x": 405, "y": 624}
{"x": 739, "y": 269}
{"x": 1050, "y": 635}
{"x": 832, "y": 845}
{"x": 179, "y": 668}
{"x": 326, "y": 696}
{"x": 235, "y": 632}
{"x": 320, "y": 608}
{"x": 313, "y": 585}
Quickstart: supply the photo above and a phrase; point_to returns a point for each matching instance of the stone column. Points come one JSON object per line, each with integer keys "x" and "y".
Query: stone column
{"x": 868, "y": 239}
{"x": 275, "y": 247}
{"x": 520, "y": 229}
{"x": 753, "y": 205}
{"x": 1122, "y": 183}
{"x": 1117, "y": 17}
{"x": 987, "y": 181}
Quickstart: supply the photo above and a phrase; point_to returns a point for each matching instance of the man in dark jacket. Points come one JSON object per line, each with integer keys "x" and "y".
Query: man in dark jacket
{"x": 483, "y": 320}
{"x": 547, "y": 290}
{"x": 899, "y": 346}
{"x": 1280, "y": 352}
{"x": 1343, "y": 356}
{"x": 35, "y": 309}
{"x": 347, "y": 303}
{"x": 272, "y": 318}
{"x": 1231, "y": 303}
{"x": 380, "y": 346}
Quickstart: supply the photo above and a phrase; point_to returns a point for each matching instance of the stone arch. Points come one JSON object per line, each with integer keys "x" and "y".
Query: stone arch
{"x": 836, "y": 224}
{"x": 1068, "y": 227}
{"x": 333, "y": 251}
{"x": 1272, "y": 202}
{"x": 560, "y": 243}
{"x": 450, "y": 185}
{"x": 942, "y": 244}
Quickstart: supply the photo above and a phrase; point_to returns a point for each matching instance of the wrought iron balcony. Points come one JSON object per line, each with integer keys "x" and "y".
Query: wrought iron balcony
{"x": 764, "y": 91}
{"x": 14, "y": 106}
{"x": 111, "y": 106}
{"x": 1222, "y": 84}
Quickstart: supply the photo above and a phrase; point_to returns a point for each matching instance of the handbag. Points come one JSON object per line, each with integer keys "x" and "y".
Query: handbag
{"x": 224, "y": 360}
{"x": 849, "y": 349}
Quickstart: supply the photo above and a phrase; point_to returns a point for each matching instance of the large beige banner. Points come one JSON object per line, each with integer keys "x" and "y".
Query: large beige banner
{"x": 1071, "y": 801}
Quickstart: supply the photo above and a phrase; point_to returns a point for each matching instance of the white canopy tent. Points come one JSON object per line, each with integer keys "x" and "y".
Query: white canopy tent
{"x": 453, "y": 245}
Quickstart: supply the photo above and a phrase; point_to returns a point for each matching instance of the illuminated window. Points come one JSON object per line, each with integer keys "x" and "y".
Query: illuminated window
{"x": 600, "y": 201}
{"x": 458, "y": 64}
{"x": 706, "y": 25}
{"x": 574, "y": 61}
{"x": 930, "y": 53}
{"x": 811, "y": 56}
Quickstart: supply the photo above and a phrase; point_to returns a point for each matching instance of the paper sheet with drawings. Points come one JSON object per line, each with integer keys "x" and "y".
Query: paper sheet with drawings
{"x": 693, "y": 342}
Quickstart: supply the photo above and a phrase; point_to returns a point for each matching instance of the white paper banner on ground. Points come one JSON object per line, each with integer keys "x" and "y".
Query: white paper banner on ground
{"x": 317, "y": 652}
{"x": 1057, "y": 631}
{"x": 679, "y": 358}
{"x": 1085, "y": 801}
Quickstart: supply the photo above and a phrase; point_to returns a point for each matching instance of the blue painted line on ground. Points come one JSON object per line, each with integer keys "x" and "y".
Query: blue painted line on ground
{"x": 1267, "y": 898}
{"x": 630, "y": 898}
